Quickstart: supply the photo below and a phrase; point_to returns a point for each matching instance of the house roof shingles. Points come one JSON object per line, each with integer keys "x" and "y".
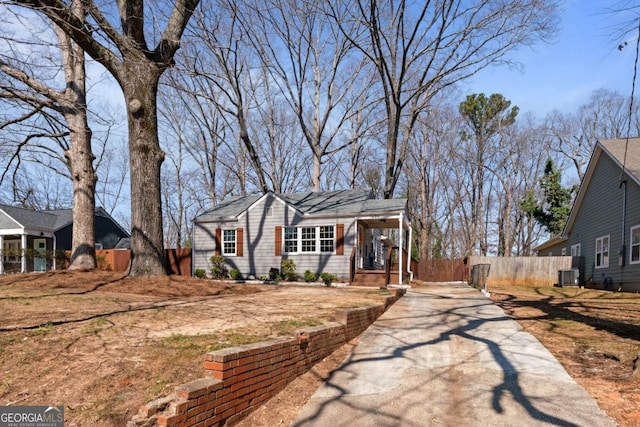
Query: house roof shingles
{"x": 616, "y": 149}
{"x": 28, "y": 218}
{"x": 312, "y": 203}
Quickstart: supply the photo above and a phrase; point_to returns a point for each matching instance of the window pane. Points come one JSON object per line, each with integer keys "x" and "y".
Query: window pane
{"x": 291, "y": 239}
{"x": 308, "y": 239}
{"x": 326, "y": 238}
{"x": 229, "y": 242}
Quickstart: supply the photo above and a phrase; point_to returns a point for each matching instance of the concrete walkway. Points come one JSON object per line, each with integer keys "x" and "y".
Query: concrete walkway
{"x": 445, "y": 355}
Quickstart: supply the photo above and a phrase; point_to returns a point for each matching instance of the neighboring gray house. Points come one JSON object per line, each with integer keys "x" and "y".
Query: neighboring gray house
{"x": 339, "y": 232}
{"x": 45, "y": 232}
{"x": 604, "y": 224}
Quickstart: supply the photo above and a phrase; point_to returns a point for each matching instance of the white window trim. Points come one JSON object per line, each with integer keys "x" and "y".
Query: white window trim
{"x": 299, "y": 239}
{"x": 631, "y": 245}
{"x": 575, "y": 249}
{"x": 604, "y": 265}
{"x": 235, "y": 242}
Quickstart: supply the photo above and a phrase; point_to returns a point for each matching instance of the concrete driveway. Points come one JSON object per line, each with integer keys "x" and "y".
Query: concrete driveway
{"x": 444, "y": 355}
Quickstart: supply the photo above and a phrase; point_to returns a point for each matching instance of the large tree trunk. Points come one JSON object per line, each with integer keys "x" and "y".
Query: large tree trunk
{"x": 80, "y": 155}
{"x": 80, "y": 159}
{"x": 146, "y": 157}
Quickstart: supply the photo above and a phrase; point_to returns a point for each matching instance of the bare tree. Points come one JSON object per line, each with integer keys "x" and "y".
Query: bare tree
{"x": 70, "y": 103}
{"x": 605, "y": 115}
{"x": 418, "y": 49}
{"x": 426, "y": 171}
{"x": 315, "y": 68}
{"x": 122, "y": 48}
{"x": 219, "y": 62}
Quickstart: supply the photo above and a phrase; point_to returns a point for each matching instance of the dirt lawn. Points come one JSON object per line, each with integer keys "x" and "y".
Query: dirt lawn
{"x": 102, "y": 345}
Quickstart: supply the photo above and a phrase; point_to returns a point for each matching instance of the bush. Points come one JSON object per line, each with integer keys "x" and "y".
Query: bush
{"x": 310, "y": 276}
{"x": 235, "y": 274}
{"x": 328, "y": 278}
{"x": 218, "y": 270}
{"x": 101, "y": 262}
{"x": 274, "y": 273}
{"x": 200, "y": 273}
{"x": 289, "y": 269}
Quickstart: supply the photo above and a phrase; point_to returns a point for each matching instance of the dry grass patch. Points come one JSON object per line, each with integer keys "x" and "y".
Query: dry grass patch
{"x": 102, "y": 344}
{"x": 594, "y": 334}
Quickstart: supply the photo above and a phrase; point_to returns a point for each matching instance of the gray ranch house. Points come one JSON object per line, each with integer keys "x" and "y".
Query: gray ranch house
{"x": 604, "y": 224}
{"x": 348, "y": 233}
{"x": 30, "y": 238}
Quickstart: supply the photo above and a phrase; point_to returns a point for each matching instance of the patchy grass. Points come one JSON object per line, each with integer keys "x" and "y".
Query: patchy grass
{"x": 102, "y": 344}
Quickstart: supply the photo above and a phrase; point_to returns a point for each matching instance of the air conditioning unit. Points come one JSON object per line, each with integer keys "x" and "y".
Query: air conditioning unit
{"x": 568, "y": 277}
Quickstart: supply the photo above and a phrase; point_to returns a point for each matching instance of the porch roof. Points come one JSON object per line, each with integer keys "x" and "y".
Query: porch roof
{"x": 26, "y": 218}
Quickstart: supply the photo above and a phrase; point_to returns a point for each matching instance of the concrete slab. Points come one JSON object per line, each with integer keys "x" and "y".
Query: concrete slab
{"x": 445, "y": 355}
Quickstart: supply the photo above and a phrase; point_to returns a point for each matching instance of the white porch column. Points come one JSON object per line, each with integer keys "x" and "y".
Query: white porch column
{"x": 55, "y": 244}
{"x": 400, "y": 249}
{"x": 24, "y": 253}
{"x": 1, "y": 254}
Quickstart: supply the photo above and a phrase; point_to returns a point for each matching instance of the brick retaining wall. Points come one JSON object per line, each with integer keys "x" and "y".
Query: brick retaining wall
{"x": 237, "y": 380}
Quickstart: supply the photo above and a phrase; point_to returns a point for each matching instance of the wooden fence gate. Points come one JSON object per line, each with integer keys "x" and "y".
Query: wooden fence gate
{"x": 442, "y": 270}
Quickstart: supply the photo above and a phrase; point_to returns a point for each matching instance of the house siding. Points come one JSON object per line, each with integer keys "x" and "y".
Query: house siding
{"x": 600, "y": 215}
{"x": 7, "y": 222}
{"x": 259, "y": 253}
{"x": 107, "y": 233}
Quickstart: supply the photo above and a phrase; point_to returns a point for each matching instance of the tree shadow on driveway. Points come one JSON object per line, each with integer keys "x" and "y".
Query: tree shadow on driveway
{"x": 434, "y": 355}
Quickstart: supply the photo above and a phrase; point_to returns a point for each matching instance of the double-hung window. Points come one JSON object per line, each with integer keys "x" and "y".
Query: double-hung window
{"x": 634, "y": 256}
{"x": 229, "y": 242}
{"x": 602, "y": 252}
{"x": 308, "y": 239}
{"x": 326, "y": 238}
{"x": 317, "y": 239}
{"x": 291, "y": 240}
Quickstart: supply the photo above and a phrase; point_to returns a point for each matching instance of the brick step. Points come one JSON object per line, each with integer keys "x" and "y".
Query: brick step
{"x": 372, "y": 278}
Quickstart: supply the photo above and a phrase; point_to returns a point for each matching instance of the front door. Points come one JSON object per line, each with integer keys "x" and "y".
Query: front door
{"x": 40, "y": 259}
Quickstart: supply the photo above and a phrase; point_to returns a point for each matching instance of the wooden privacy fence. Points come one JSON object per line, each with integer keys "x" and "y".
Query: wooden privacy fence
{"x": 177, "y": 261}
{"x": 441, "y": 270}
{"x": 527, "y": 271}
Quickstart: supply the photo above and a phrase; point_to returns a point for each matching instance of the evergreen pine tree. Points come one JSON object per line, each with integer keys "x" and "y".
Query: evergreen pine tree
{"x": 554, "y": 211}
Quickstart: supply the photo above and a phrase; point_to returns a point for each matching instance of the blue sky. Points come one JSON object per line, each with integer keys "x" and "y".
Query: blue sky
{"x": 563, "y": 75}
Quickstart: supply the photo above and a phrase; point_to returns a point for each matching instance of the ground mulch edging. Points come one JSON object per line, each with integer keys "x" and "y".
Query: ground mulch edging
{"x": 238, "y": 379}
